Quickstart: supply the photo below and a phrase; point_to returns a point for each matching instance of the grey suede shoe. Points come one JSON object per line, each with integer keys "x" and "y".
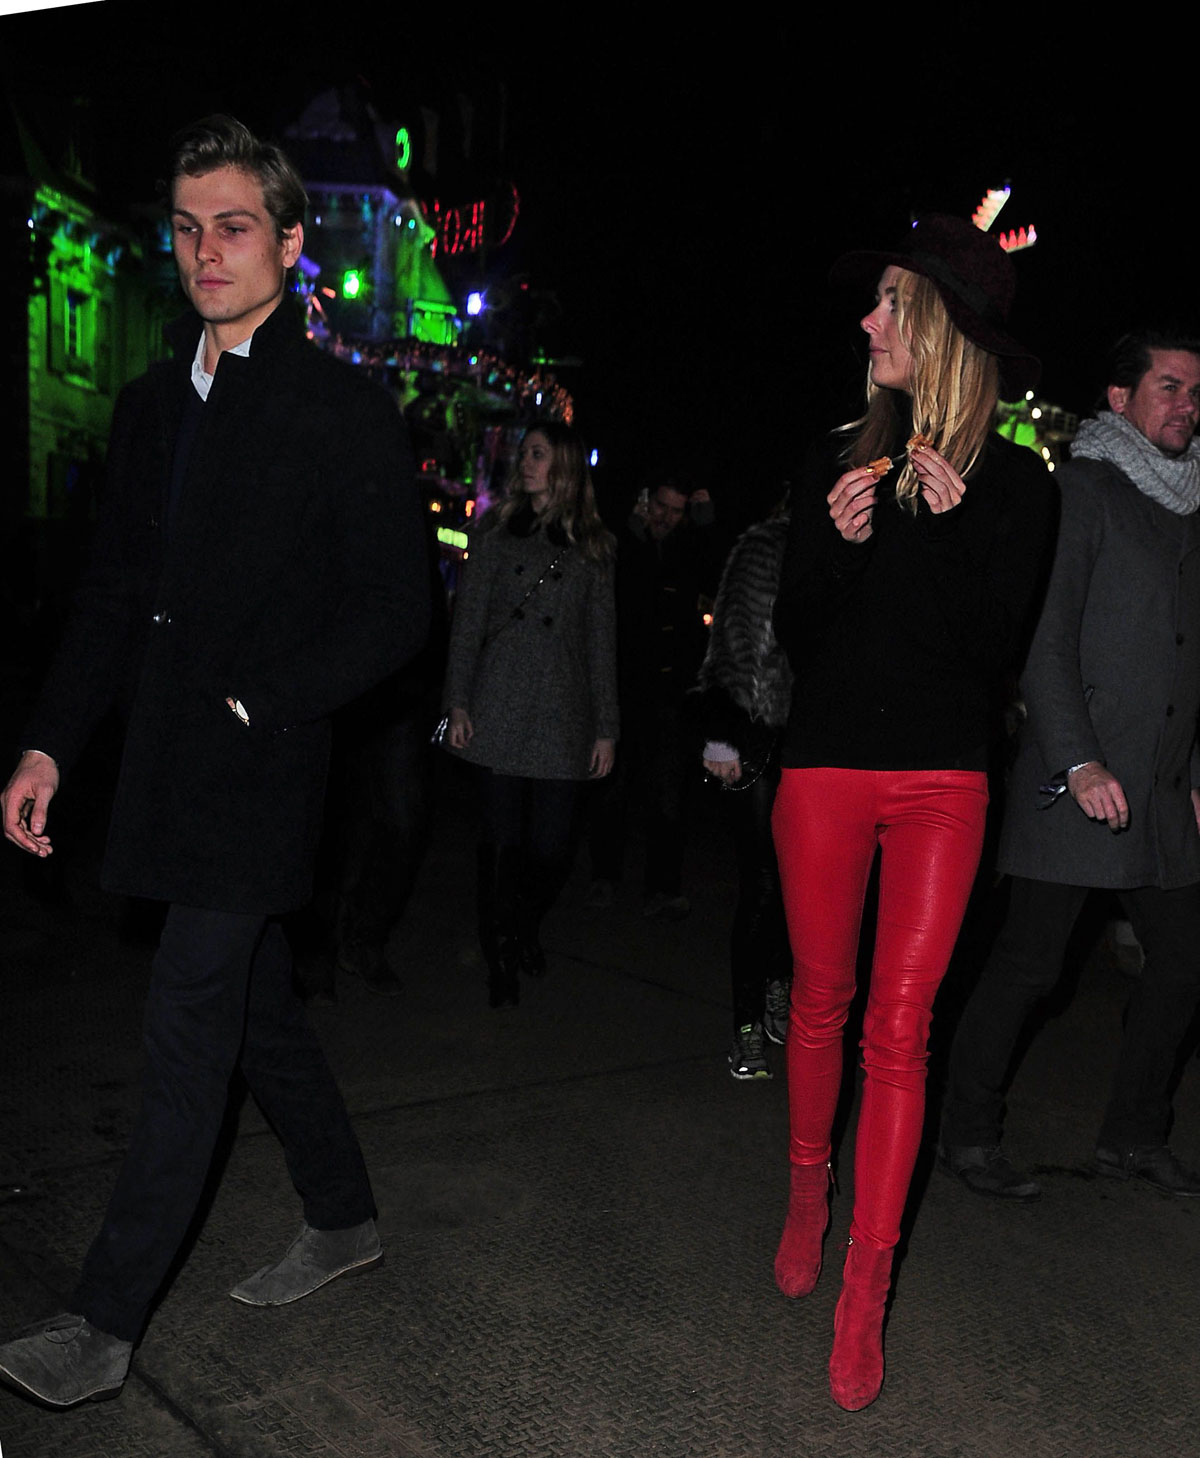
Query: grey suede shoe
{"x": 64, "y": 1361}
{"x": 313, "y": 1258}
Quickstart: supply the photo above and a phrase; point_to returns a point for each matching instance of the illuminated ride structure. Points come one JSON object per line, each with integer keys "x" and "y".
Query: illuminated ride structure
{"x": 395, "y": 284}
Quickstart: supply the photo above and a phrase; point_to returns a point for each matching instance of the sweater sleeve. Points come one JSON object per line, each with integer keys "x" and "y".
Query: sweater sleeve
{"x": 821, "y": 570}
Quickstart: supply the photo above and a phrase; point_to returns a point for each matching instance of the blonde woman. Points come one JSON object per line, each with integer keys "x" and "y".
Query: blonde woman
{"x": 531, "y": 695}
{"x": 919, "y": 542}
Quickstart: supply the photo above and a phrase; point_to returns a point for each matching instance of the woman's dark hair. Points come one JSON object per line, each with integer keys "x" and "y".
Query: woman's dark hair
{"x": 223, "y": 141}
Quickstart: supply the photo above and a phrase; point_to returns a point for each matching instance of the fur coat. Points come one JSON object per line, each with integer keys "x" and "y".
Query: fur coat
{"x": 745, "y": 683}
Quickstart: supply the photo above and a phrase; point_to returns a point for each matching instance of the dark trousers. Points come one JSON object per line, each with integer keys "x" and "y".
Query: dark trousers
{"x": 384, "y": 804}
{"x": 655, "y": 763}
{"x": 220, "y": 997}
{"x": 759, "y": 950}
{"x": 1025, "y": 966}
{"x": 535, "y": 814}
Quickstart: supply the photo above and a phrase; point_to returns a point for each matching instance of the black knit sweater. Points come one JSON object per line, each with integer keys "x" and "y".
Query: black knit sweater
{"x": 897, "y": 643}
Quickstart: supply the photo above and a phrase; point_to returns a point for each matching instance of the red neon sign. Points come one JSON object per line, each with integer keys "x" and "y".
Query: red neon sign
{"x": 472, "y": 226}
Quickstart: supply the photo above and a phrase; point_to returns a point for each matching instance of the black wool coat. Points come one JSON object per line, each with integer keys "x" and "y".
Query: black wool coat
{"x": 294, "y": 575}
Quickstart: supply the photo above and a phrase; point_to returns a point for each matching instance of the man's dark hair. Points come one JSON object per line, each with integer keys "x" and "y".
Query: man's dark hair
{"x": 1130, "y": 358}
{"x": 681, "y": 485}
{"x": 222, "y": 141}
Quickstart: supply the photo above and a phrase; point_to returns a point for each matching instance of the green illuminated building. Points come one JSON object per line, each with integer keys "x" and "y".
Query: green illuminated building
{"x": 91, "y": 321}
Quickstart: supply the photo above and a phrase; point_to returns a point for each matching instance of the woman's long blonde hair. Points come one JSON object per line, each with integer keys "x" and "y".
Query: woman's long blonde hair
{"x": 955, "y": 387}
{"x": 572, "y": 503}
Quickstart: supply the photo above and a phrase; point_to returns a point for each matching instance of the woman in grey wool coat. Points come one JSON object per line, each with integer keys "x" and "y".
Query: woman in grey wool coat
{"x": 531, "y": 688}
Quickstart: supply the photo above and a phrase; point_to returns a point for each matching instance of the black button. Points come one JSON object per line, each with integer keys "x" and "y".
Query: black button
{"x": 1178, "y": 638}
{"x": 547, "y": 622}
{"x": 1170, "y": 710}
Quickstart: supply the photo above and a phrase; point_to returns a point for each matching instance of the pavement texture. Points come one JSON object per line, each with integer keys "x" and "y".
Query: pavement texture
{"x": 580, "y": 1210}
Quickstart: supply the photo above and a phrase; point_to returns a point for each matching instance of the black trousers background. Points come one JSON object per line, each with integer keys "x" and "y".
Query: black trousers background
{"x": 759, "y": 950}
{"x": 220, "y": 997}
{"x": 1025, "y": 966}
{"x": 657, "y": 759}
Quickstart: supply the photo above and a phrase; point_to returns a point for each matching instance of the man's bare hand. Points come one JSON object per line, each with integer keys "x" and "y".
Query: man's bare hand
{"x": 1099, "y": 794}
{"x": 460, "y": 731}
{"x": 25, "y": 802}
{"x": 604, "y": 754}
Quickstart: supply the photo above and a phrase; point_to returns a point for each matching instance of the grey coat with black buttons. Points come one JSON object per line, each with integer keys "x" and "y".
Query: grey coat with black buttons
{"x": 536, "y": 674}
{"x": 1113, "y": 675}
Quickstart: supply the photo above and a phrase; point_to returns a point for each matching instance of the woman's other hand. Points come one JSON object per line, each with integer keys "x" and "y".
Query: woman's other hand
{"x": 728, "y": 771}
{"x": 459, "y": 731}
{"x": 852, "y": 503}
{"x": 604, "y": 752}
{"x": 941, "y": 485}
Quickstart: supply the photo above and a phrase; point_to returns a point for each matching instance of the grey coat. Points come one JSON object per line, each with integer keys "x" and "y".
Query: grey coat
{"x": 538, "y": 679}
{"x": 1113, "y": 675}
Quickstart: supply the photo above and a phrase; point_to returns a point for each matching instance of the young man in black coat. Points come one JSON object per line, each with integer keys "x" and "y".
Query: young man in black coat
{"x": 259, "y": 562}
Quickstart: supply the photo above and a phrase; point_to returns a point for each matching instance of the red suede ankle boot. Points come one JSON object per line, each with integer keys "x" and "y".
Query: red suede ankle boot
{"x": 856, "y": 1366}
{"x": 798, "y": 1260}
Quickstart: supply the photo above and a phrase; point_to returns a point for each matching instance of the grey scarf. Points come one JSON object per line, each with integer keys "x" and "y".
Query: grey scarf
{"x": 1172, "y": 481}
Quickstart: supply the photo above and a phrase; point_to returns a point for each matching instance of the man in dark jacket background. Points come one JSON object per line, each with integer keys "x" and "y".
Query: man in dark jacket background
{"x": 1104, "y": 789}
{"x": 259, "y": 562}
{"x": 666, "y": 562}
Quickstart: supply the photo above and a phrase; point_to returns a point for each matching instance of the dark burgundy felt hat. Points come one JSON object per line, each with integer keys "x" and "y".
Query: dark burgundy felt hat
{"x": 975, "y": 279}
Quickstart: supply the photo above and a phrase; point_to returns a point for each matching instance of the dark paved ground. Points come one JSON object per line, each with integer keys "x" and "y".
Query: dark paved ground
{"x": 580, "y": 1210}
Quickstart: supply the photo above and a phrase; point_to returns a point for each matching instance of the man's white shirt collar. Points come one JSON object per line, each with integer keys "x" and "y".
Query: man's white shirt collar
{"x": 200, "y": 377}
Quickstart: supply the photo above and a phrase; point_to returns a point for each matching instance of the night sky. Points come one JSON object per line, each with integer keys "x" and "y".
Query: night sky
{"x": 684, "y": 192}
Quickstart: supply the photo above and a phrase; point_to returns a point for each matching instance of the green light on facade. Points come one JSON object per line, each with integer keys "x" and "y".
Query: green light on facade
{"x": 452, "y": 538}
{"x": 352, "y": 283}
{"x": 403, "y": 148}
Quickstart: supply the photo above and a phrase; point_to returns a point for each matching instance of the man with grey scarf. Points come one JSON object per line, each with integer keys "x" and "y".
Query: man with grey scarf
{"x": 1104, "y": 789}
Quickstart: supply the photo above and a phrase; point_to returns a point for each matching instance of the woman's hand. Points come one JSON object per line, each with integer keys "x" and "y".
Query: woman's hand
{"x": 941, "y": 485}
{"x": 852, "y": 503}
{"x": 604, "y": 752}
{"x": 459, "y": 732}
{"x": 728, "y": 771}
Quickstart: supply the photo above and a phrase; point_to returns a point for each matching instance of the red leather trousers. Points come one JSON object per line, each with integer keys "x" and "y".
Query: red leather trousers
{"x": 827, "y": 823}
